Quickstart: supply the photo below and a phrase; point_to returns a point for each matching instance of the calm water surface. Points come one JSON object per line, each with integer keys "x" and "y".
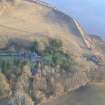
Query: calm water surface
{"x": 88, "y": 95}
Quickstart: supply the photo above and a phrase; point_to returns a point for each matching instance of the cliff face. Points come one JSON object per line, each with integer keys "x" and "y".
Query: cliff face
{"x": 41, "y": 88}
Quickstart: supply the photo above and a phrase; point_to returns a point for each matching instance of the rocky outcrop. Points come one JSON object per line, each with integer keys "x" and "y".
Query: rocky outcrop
{"x": 47, "y": 85}
{"x": 21, "y": 98}
{"x": 97, "y": 75}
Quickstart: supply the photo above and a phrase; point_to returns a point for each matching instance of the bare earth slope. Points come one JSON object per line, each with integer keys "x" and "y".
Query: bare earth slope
{"x": 31, "y": 19}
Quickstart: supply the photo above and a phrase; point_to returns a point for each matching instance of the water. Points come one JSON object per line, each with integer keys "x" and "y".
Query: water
{"x": 90, "y": 13}
{"x": 88, "y": 95}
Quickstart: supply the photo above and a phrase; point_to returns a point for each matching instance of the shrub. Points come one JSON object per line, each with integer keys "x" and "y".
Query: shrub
{"x": 47, "y": 59}
{"x": 54, "y": 56}
{"x": 55, "y": 45}
{"x": 5, "y": 66}
{"x": 63, "y": 60}
{"x": 34, "y": 47}
{"x": 91, "y": 57}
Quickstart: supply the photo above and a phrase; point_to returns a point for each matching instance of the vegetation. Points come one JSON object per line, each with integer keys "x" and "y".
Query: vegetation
{"x": 91, "y": 57}
{"x": 87, "y": 54}
{"x": 54, "y": 45}
{"x": 54, "y": 65}
{"x": 52, "y": 56}
{"x": 21, "y": 99}
{"x": 4, "y": 86}
{"x": 34, "y": 47}
{"x": 55, "y": 56}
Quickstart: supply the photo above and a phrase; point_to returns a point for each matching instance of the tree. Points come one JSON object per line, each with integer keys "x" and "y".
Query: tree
{"x": 63, "y": 60}
{"x": 6, "y": 66}
{"x": 47, "y": 59}
{"x": 34, "y": 47}
{"x": 55, "y": 45}
{"x": 55, "y": 56}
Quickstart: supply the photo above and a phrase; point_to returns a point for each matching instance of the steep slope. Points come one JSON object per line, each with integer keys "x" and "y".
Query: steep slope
{"x": 30, "y": 19}
{"x": 21, "y": 25}
{"x": 98, "y": 43}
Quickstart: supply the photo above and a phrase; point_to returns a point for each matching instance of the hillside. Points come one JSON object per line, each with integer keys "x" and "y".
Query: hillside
{"x": 49, "y": 21}
{"x": 68, "y": 57}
